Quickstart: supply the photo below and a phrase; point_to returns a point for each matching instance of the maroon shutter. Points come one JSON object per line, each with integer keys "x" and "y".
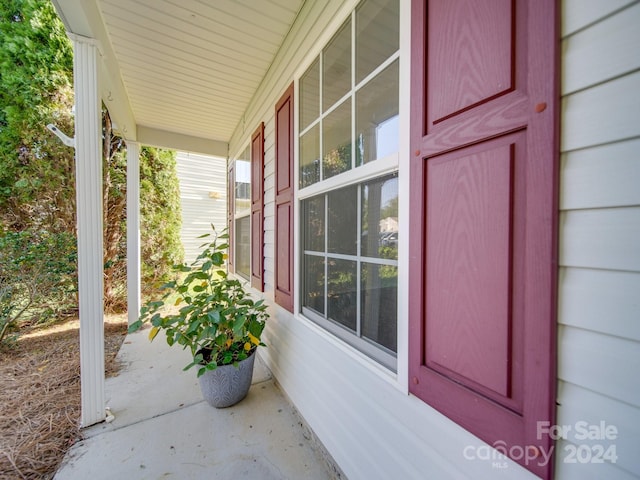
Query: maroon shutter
{"x": 483, "y": 214}
{"x": 231, "y": 197}
{"x": 257, "y": 208}
{"x": 284, "y": 201}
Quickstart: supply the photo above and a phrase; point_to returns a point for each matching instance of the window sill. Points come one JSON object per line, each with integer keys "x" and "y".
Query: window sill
{"x": 363, "y": 360}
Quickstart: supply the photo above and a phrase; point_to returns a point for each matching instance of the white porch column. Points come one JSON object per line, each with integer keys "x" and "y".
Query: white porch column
{"x": 88, "y": 138}
{"x": 133, "y": 231}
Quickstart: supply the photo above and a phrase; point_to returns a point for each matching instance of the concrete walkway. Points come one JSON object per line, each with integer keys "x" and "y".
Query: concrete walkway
{"x": 163, "y": 428}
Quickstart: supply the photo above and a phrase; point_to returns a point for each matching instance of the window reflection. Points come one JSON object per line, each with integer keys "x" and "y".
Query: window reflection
{"x": 242, "y": 222}
{"x": 313, "y": 283}
{"x": 243, "y": 246}
{"x": 310, "y": 157}
{"x": 310, "y": 95}
{"x": 336, "y": 141}
{"x": 380, "y": 304}
{"x": 336, "y": 67}
{"x": 343, "y": 220}
{"x": 377, "y": 34}
{"x": 358, "y": 289}
{"x": 379, "y": 237}
{"x": 341, "y": 292}
{"x": 377, "y": 116}
{"x": 313, "y": 227}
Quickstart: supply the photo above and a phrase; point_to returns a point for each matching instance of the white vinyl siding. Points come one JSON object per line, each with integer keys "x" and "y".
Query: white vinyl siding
{"x": 203, "y": 196}
{"x": 269, "y": 203}
{"x": 599, "y": 276}
{"x": 358, "y": 409}
{"x": 361, "y": 412}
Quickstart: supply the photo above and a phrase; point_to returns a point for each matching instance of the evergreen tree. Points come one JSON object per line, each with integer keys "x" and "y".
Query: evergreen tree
{"x": 36, "y": 75}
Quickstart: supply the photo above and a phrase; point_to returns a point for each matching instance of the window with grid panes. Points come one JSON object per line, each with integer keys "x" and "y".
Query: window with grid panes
{"x": 348, "y": 184}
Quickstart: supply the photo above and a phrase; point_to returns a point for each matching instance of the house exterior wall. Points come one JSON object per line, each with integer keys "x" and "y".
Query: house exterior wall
{"x": 203, "y": 196}
{"x": 361, "y": 411}
{"x": 599, "y": 274}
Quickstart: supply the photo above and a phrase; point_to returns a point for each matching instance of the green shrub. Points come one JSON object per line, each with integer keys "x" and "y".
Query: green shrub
{"x": 38, "y": 279}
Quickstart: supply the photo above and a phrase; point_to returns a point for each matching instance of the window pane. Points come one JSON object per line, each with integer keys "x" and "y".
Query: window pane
{"x": 336, "y": 141}
{"x": 310, "y": 157}
{"x": 336, "y": 67}
{"x": 313, "y": 224}
{"x": 243, "y": 246}
{"x": 377, "y": 34}
{"x": 243, "y": 187}
{"x": 379, "y": 304}
{"x": 310, "y": 95}
{"x": 343, "y": 220}
{"x": 377, "y": 116}
{"x": 313, "y": 283}
{"x": 341, "y": 292}
{"x": 380, "y": 218}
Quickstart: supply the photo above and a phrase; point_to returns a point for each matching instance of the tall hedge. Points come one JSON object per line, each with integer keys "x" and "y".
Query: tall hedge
{"x": 36, "y": 169}
{"x": 161, "y": 216}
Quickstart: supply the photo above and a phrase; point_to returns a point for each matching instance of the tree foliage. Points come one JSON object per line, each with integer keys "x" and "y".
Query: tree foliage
{"x": 161, "y": 216}
{"x": 37, "y": 172}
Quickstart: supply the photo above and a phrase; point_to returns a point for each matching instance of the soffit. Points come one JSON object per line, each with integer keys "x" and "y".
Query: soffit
{"x": 192, "y": 67}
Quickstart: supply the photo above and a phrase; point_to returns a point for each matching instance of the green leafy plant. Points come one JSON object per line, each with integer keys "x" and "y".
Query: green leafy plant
{"x": 37, "y": 278}
{"x": 219, "y": 322}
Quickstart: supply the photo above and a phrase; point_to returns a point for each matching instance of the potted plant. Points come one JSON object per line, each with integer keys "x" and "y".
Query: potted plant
{"x": 217, "y": 320}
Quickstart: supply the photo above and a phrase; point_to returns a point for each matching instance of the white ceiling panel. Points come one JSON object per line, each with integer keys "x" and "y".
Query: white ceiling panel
{"x": 192, "y": 66}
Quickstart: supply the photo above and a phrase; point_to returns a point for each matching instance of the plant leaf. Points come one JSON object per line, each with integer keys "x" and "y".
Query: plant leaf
{"x": 256, "y": 328}
{"x": 135, "y": 326}
{"x": 153, "y": 332}
{"x": 238, "y": 325}
{"x": 214, "y": 316}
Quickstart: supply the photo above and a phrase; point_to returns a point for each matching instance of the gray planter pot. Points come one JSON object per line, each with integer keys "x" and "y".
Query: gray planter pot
{"x": 227, "y": 385}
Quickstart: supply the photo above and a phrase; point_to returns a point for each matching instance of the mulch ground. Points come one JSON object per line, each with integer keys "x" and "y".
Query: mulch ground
{"x": 40, "y": 397}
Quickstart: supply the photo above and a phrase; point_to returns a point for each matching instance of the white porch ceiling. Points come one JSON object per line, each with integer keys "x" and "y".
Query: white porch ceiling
{"x": 182, "y": 67}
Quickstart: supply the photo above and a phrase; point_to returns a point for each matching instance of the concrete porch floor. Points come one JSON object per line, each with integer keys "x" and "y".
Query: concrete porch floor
{"x": 164, "y": 429}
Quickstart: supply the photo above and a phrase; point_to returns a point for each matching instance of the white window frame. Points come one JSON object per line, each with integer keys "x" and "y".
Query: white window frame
{"x": 246, "y": 147}
{"x": 395, "y": 368}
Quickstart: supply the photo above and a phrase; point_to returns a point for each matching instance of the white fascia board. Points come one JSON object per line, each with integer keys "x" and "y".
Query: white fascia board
{"x": 82, "y": 17}
{"x": 178, "y": 141}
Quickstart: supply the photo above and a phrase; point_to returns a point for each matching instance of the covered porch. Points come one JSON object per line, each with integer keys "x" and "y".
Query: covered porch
{"x": 173, "y": 76}
{"x": 179, "y": 76}
{"x": 161, "y": 428}
{"x": 516, "y": 135}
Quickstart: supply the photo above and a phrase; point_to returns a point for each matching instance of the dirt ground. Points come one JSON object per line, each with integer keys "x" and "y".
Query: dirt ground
{"x": 40, "y": 396}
